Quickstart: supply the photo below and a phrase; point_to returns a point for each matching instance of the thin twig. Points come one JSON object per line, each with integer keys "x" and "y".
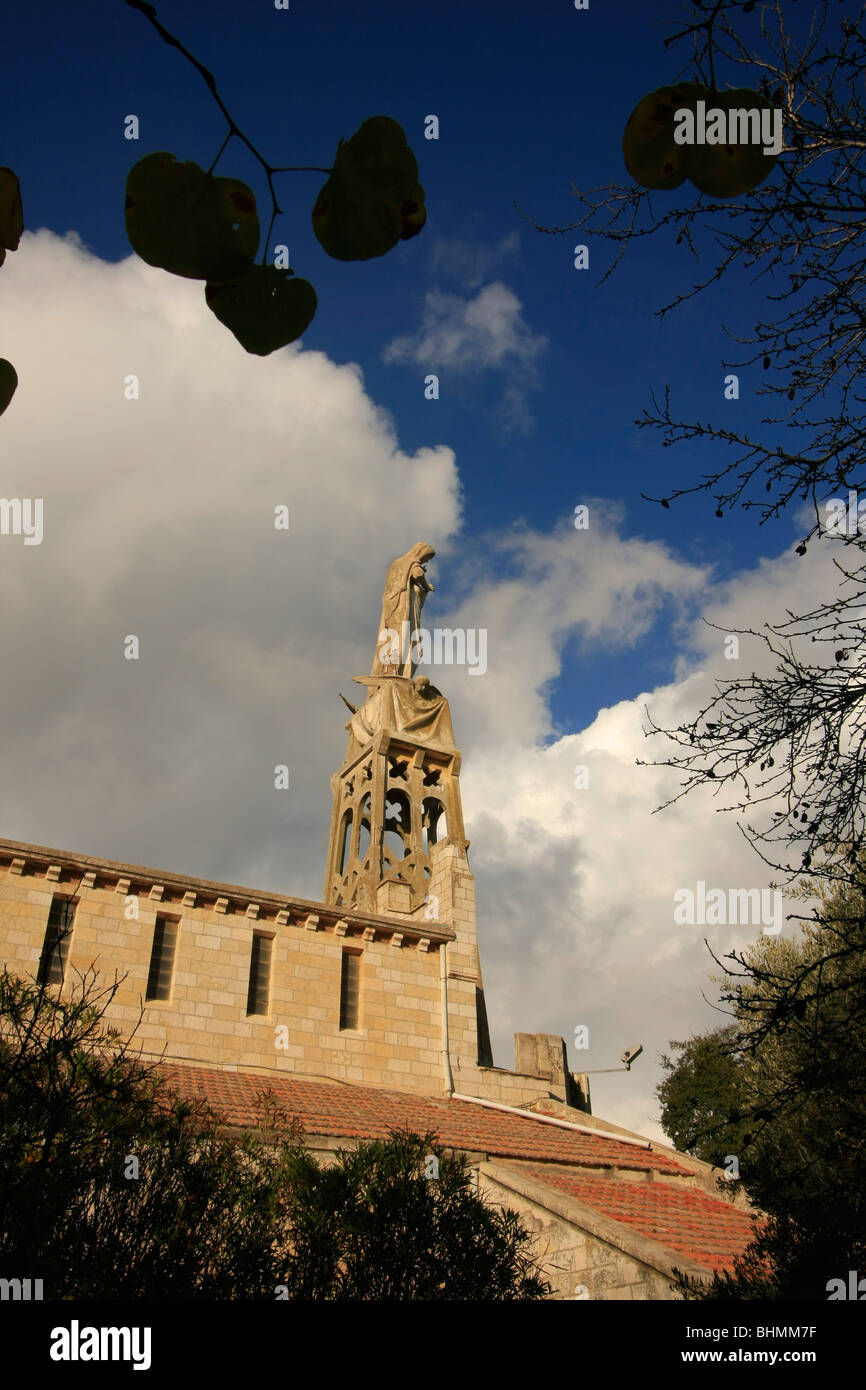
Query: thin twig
{"x": 234, "y": 130}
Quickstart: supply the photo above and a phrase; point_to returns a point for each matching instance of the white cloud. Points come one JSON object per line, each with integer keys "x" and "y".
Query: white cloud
{"x": 159, "y": 522}
{"x": 575, "y": 886}
{"x": 487, "y": 333}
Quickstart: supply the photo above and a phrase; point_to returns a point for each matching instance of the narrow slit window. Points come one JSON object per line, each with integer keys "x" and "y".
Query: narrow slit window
{"x": 350, "y": 989}
{"x": 55, "y": 949}
{"x": 260, "y": 976}
{"x": 162, "y": 958}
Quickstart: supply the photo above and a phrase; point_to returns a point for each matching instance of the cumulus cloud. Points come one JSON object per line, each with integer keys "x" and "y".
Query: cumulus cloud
{"x": 159, "y": 523}
{"x": 576, "y": 883}
{"x": 486, "y": 333}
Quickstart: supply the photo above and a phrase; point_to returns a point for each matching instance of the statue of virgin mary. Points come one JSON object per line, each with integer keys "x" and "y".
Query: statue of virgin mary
{"x": 406, "y": 588}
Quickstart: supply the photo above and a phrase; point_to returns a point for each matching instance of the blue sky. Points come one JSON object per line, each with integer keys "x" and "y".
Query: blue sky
{"x": 529, "y": 98}
{"x": 536, "y": 415}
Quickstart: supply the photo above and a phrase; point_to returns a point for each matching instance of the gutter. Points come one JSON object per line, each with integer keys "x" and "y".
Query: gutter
{"x": 549, "y": 1119}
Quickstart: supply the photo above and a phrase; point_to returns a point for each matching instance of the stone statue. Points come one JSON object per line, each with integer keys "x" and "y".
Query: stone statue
{"x": 406, "y": 588}
{"x": 413, "y": 707}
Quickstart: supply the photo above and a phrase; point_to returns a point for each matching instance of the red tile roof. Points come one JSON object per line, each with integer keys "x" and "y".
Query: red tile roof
{"x": 686, "y": 1221}
{"x": 706, "y": 1229}
{"x": 365, "y": 1112}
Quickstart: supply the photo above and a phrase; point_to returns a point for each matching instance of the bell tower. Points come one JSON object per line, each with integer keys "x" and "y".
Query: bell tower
{"x": 397, "y": 845}
{"x": 396, "y": 795}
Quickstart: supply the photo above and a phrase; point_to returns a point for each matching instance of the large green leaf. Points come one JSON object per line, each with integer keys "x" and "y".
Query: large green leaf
{"x": 373, "y": 198}
{"x": 8, "y": 382}
{"x": 11, "y": 213}
{"x": 265, "y": 308}
{"x": 186, "y": 221}
{"x": 651, "y": 154}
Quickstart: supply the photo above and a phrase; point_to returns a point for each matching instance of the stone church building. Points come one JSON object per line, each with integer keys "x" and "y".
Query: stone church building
{"x": 366, "y": 1012}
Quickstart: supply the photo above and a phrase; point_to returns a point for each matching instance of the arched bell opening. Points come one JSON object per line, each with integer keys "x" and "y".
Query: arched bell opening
{"x": 398, "y": 825}
{"x": 364, "y": 829}
{"x": 344, "y": 841}
{"x": 434, "y": 822}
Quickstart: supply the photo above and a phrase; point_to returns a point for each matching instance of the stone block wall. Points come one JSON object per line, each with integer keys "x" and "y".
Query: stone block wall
{"x": 397, "y": 1043}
